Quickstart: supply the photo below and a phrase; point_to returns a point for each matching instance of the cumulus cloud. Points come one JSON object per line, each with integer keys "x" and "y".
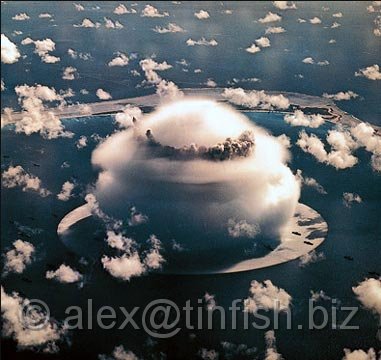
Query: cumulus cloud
{"x": 202, "y": 41}
{"x": 254, "y": 99}
{"x": 43, "y": 48}
{"x": 66, "y": 191}
{"x": 271, "y": 350}
{"x": 36, "y": 117}
{"x": 168, "y": 90}
{"x": 120, "y": 60}
{"x": 210, "y": 301}
{"x": 171, "y": 28}
{"x": 79, "y": 7}
{"x": 87, "y": 23}
{"x": 17, "y": 259}
{"x": 45, "y": 16}
{"x": 342, "y": 146}
{"x": 110, "y": 24}
{"x": 75, "y": 55}
{"x": 119, "y": 353}
{"x": 368, "y": 293}
{"x": 180, "y": 146}
{"x": 16, "y": 176}
{"x": 242, "y": 228}
{"x": 270, "y": 17}
{"x": 335, "y": 25}
{"x": 252, "y": 49}
{"x": 298, "y": 118}
{"x": 349, "y": 198}
{"x": 284, "y": 5}
{"x": 9, "y": 52}
{"x": 309, "y": 181}
{"x": 275, "y": 30}
{"x": 341, "y": 95}
{"x": 151, "y": 11}
{"x": 43, "y": 338}
{"x": 211, "y": 83}
{"x": 150, "y": 68}
{"x": 263, "y": 42}
{"x": 308, "y": 60}
{"x": 21, "y": 17}
{"x": 338, "y": 15}
{"x": 266, "y": 296}
{"x": 310, "y": 258}
{"x": 64, "y": 274}
{"x": 69, "y": 73}
{"x": 122, "y": 9}
{"x": 103, "y": 95}
{"x": 315, "y": 20}
{"x": 128, "y": 116}
{"x": 359, "y": 354}
{"x": 202, "y": 15}
{"x": 131, "y": 263}
{"x": 319, "y": 295}
{"x": 370, "y": 72}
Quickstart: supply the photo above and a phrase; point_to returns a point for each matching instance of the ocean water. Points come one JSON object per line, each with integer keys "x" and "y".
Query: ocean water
{"x": 352, "y": 232}
{"x": 277, "y": 66}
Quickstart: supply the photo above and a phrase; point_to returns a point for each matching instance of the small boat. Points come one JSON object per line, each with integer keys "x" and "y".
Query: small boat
{"x": 347, "y": 257}
{"x": 297, "y": 233}
{"x": 308, "y": 242}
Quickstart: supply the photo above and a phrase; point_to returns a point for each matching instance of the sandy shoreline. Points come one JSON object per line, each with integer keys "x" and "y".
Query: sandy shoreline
{"x": 305, "y": 232}
{"x": 301, "y": 101}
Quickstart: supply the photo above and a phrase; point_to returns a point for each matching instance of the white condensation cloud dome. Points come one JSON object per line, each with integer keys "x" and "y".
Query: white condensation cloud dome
{"x": 258, "y": 188}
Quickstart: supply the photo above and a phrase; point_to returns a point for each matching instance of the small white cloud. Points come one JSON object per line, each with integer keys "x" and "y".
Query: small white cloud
{"x": 202, "y": 15}
{"x": 242, "y": 228}
{"x": 43, "y": 49}
{"x": 128, "y": 116}
{"x": 315, "y": 20}
{"x": 69, "y": 73}
{"x": 370, "y": 72}
{"x": 252, "y": 49}
{"x": 270, "y": 17}
{"x": 308, "y": 60}
{"x": 298, "y": 118}
{"x": 266, "y": 296}
{"x": 341, "y": 95}
{"x": 210, "y": 301}
{"x": 79, "y": 7}
{"x": 45, "y": 16}
{"x": 16, "y": 176}
{"x": 21, "y": 17}
{"x": 171, "y": 28}
{"x": 119, "y": 353}
{"x": 284, "y": 5}
{"x": 311, "y": 182}
{"x": 359, "y": 354}
{"x": 202, "y": 41}
{"x": 66, "y": 191}
{"x": 211, "y": 83}
{"x": 103, "y": 95}
{"x": 122, "y": 9}
{"x": 335, "y": 25}
{"x": 349, "y": 198}
{"x": 368, "y": 292}
{"x": 275, "y": 30}
{"x": 271, "y": 350}
{"x": 263, "y": 42}
{"x": 338, "y": 15}
{"x": 151, "y": 11}
{"x": 87, "y": 23}
{"x": 120, "y": 60}
{"x": 9, "y": 52}
{"x": 310, "y": 258}
{"x": 64, "y": 274}
{"x": 19, "y": 257}
{"x": 43, "y": 339}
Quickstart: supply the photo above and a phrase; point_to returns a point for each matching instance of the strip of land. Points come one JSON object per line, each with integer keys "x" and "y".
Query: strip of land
{"x": 307, "y": 103}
